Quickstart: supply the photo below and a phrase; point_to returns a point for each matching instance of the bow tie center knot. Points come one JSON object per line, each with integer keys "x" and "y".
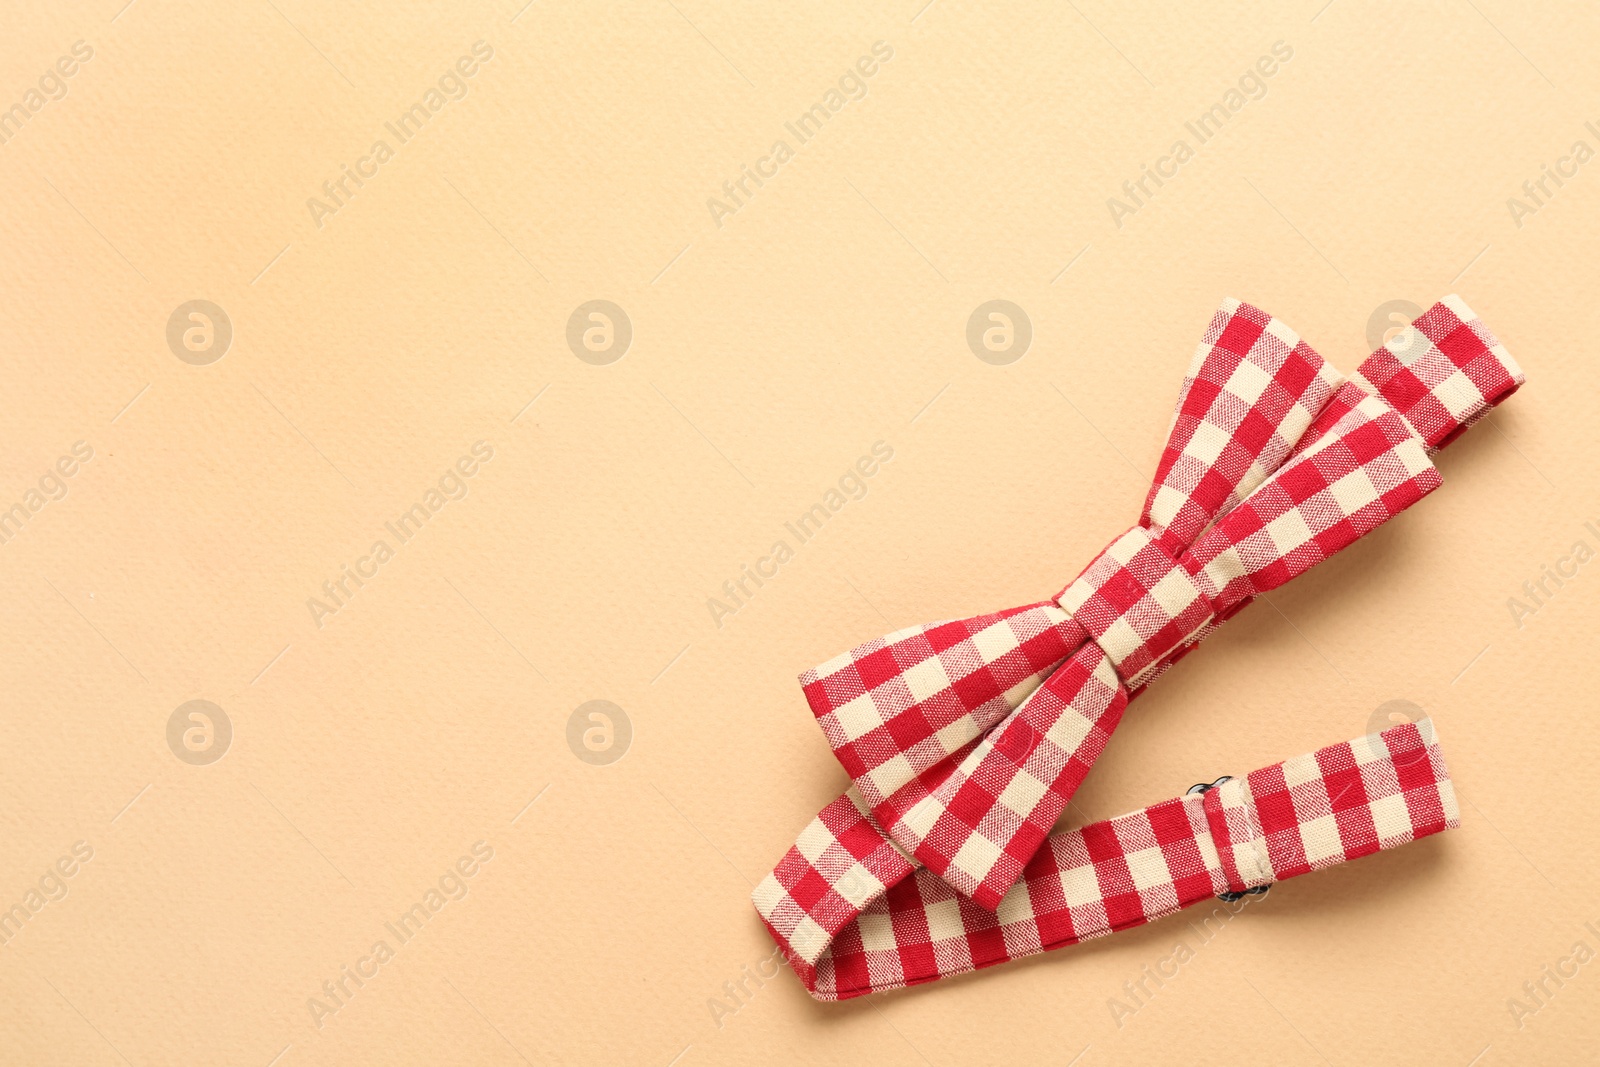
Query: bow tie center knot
{"x": 1140, "y": 600}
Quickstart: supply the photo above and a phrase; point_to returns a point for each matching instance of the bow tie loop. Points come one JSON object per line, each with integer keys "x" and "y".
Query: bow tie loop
{"x": 1252, "y": 389}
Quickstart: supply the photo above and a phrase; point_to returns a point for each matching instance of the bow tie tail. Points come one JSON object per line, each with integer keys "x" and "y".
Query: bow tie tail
{"x": 900, "y": 711}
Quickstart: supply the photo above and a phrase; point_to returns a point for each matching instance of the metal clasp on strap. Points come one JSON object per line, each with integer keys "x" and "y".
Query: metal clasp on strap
{"x": 1228, "y": 897}
{"x": 1206, "y": 787}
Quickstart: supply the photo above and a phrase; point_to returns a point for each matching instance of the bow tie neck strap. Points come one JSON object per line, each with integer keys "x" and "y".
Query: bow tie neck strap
{"x": 854, "y": 915}
{"x": 1442, "y": 373}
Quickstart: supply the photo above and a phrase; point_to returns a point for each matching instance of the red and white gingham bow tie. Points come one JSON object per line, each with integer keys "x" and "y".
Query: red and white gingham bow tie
{"x": 966, "y": 739}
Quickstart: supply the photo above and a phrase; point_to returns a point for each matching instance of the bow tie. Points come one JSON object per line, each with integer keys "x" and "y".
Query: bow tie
{"x": 966, "y": 739}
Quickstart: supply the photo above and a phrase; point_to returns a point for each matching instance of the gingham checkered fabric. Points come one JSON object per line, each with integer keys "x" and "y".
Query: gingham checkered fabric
{"x": 854, "y": 916}
{"x": 966, "y": 739}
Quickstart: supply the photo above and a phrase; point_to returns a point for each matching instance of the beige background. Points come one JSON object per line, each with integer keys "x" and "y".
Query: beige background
{"x": 827, "y": 313}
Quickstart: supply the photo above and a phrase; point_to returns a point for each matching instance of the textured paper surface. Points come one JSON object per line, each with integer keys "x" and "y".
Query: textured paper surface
{"x": 424, "y": 327}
